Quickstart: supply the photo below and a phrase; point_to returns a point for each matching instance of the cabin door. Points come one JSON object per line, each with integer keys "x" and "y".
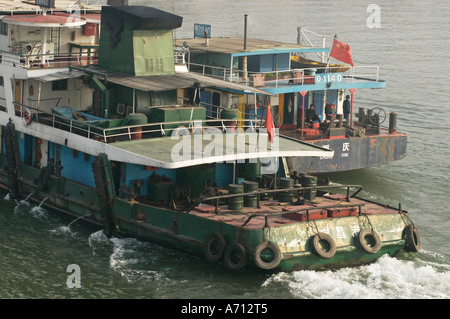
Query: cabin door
{"x": 318, "y": 99}
{"x": 205, "y": 97}
{"x": 289, "y": 112}
{"x": 17, "y": 93}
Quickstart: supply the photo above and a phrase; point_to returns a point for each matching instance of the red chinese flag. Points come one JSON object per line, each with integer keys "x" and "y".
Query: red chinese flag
{"x": 269, "y": 123}
{"x": 342, "y": 52}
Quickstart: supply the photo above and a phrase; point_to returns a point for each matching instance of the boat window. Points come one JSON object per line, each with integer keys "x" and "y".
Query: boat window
{"x": 3, "y": 28}
{"x": 60, "y": 85}
{"x": 1, "y": 80}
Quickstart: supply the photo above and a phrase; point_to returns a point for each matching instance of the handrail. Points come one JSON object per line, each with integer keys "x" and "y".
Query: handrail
{"x": 301, "y": 31}
{"x": 191, "y": 126}
{"x": 30, "y": 61}
{"x": 306, "y": 209}
{"x": 226, "y": 74}
{"x": 217, "y": 198}
{"x": 85, "y": 128}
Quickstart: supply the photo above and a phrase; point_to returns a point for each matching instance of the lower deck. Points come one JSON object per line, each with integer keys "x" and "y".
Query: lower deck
{"x": 275, "y": 213}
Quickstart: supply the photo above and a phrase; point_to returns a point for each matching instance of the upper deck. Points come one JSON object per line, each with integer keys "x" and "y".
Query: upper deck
{"x": 274, "y": 66}
{"x": 32, "y": 38}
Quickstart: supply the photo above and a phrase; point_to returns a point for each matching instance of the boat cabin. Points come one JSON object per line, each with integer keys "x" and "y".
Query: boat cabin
{"x": 284, "y": 70}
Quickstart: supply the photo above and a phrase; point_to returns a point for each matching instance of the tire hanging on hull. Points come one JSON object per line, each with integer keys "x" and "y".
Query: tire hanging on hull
{"x": 105, "y": 191}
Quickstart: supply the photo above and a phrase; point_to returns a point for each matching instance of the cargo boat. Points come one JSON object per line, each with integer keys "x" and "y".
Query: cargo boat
{"x": 94, "y": 134}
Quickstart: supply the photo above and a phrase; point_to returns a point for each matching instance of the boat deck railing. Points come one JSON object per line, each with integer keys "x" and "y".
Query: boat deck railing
{"x": 275, "y": 79}
{"x": 52, "y": 60}
{"x": 216, "y": 200}
{"x": 120, "y": 132}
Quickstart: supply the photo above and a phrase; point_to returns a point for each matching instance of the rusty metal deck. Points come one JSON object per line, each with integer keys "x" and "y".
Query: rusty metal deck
{"x": 280, "y": 212}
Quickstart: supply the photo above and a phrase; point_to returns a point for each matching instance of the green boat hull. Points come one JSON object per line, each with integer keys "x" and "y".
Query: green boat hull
{"x": 277, "y": 242}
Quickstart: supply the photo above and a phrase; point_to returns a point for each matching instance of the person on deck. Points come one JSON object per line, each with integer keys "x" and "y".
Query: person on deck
{"x": 346, "y": 108}
{"x": 311, "y": 115}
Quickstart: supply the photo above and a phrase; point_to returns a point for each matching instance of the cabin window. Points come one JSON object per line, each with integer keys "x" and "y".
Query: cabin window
{"x": 3, "y": 28}
{"x": 60, "y": 85}
{"x": 1, "y": 81}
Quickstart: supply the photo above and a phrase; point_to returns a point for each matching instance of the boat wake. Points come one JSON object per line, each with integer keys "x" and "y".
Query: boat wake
{"x": 130, "y": 260}
{"x": 387, "y": 278}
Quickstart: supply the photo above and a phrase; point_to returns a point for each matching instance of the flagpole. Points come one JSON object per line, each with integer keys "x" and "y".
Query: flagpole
{"x": 329, "y": 54}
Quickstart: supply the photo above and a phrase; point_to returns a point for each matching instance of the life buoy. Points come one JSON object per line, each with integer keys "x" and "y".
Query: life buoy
{"x": 214, "y": 247}
{"x": 276, "y": 259}
{"x": 27, "y": 116}
{"x": 321, "y": 251}
{"x": 235, "y": 256}
{"x": 373, "y": 244}
{"x": 412, "y": 239}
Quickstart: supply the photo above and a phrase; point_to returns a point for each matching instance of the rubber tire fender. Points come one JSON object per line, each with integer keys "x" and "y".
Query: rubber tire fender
{"x": 364, "y": 246}
{"x": 319, "y": 250}
{"x": 241, "y": 253}
{"x": 211, "y": 240}
{"x": 412, "y": 239}
{"x": 276, "y": 255}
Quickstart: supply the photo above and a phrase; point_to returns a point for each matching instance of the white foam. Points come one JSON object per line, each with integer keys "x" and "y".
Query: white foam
{"x": 63, "y": 230}
{"x": 131, "y": 261}
{"x": 386, "y": 278}
{"x": 39, "y": 212}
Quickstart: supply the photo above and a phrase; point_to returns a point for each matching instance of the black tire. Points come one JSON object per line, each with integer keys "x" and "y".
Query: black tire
{"x": 412, "y": 239}
{"x": 276, "y": 255}
{"x": 214, "y": 247}
{"x": 319, "y": 250}
{"x": 374, "y": 238}
{"x": 233, "y": 251}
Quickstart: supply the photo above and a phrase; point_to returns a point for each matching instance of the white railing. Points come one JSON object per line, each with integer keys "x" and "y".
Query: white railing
{"x": 285, "y": 77}
{"x": 369, "y": 72}
{"x": 94, "y": 130}
{"x": 53, "y": 60}
{"x": 301, "y": 32}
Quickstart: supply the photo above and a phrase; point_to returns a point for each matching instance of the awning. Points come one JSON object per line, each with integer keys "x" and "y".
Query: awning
{"x": 158, "y": 83}
{"x": 234, "y": 46}
{"x": 62, "y": 75}
{"x": 189, "y": 150}
{"x": 47, "y": 21}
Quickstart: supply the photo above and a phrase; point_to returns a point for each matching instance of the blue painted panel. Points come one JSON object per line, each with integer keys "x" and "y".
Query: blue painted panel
{"x": 323, "y": 86}
{"x": 254, "y": 63}
{"x": 318, "y": 104}
{"x": 266, "y": 63}
{"x": 205, "y": 97}
{"x": 278, "y": 51}
{"x": 137, "y": 172}
{"x": 25, "y": 147}
{"x": 224, "y": 174}
{"x": 283, "y": 62}
{"x": 76, "y": 166}
{"x": 332, "y": 97}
